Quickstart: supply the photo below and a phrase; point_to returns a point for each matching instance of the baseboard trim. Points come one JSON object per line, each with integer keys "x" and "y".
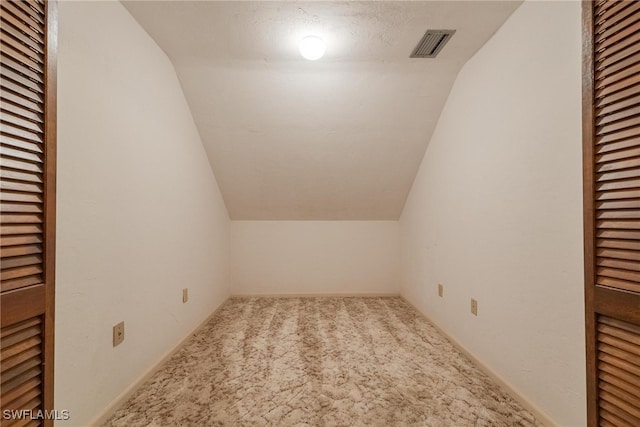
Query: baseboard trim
{"x": 134, "y": 386}
{"x": 319, "y": 295}
{"x": 497, "y": 378}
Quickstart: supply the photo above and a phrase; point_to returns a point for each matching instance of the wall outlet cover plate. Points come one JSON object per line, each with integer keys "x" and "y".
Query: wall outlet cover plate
{"x": 118, "y": 334}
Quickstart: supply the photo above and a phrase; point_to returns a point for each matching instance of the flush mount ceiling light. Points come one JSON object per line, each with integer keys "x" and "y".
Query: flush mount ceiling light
{"x": 312, "y": 47}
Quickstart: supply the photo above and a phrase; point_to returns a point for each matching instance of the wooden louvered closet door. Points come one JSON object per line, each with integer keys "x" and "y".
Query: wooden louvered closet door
{"x": 27, "y": 202}
{"x": 611, "y": 145}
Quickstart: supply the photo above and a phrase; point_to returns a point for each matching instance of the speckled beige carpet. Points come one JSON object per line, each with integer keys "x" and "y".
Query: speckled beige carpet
{"x": 319, "y": 362}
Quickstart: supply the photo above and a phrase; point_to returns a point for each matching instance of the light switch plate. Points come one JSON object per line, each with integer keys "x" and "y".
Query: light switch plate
{"x": 185, "y": 295}
{"x": 440, "y": 290}
{"x": 474, "y": 307}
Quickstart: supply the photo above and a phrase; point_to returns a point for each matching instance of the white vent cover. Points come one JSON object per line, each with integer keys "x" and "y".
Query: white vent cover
{"x": 432, "y": 43}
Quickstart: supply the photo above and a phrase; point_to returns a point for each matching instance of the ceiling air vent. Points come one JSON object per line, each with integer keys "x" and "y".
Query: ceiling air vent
{"x": 432, "y": 43}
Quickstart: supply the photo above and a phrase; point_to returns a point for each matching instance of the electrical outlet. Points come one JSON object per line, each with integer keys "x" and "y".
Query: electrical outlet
{"x": 440, "y": 290}
{"x": 185, "y": 295}
{"x": 474, "y": 307}
{"x": 118, "y": 334}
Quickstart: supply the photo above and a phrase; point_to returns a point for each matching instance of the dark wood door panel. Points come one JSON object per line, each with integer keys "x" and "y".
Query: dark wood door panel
{"x": 611, "y": 170}
{"x": 28, "y": 31}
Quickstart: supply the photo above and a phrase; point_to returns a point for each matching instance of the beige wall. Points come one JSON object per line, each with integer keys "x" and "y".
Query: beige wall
{"x": 495, "y": 211}
{"x": 312, "y": 257}
{"x": 139, "y": 211}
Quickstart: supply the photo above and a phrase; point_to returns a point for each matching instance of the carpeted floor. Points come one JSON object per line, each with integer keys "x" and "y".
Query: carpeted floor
{"x": 319, "y": 362}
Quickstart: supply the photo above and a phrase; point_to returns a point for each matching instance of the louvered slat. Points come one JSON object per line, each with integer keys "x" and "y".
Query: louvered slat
{"x": 616, "y": 165}
{"x": 20, "y": 165}
{"x": 23, "y": 37}
{"x": 21, "y": 229}
{"x": 631, "y": 388}
{"x": 628, "y": 41}
{"x": 628, "y": 124}
{"x": 620, "y": 176}
{"x": 18, "y": 126}
{"x": 19, "y": 149}
{"x": 17, "y": 175}
{"x": 20, "y": 208}
{"x": 626, "y": 255}
{"x": 30, "y": 11}
{"x": 21, "y": 360}
{"x": 617, "y": 71}
{"x": 615, "y": 146}
{"x": 617, "y": 154}
{"x": 622, "y": 91}
{"x": 630, "y": 367}
{"x": 615, "y": 195}
{"x": 25, "y": 187}
{"x": 604, "y": 244}
{"x": 629, "y": 276}
{"x": 21, "y": 79}
{"x": 15, "y": 393}
{"x": 613, "y": 185}
{"x": 618, "y": 90}
{"x": 18, "y": 132}
{"x": 19, "y": 352}
{"x": 37, "y": 5}
{"x": 20, "y": 51}
{"x": 10, "y": 22}
{"x": 613, "y": 405}
{"x": 627, "y": 69}
{"x": 21, "y": 218}
{"x": 605, "y": 158}
{"x": 21, "y": 240}
{"x": 612, "y": 107}
{"x": 622, "y": 345}
{"x": 21, "y": 282}
{"x": 618, "y": 263}
{"x": 618, "y": 284}
{"x": 20, "y": 111}
{"x": 619, "y": 363}
{"x": 607, "y": 419}
{"x": 607, "y": 11}
{"x": 624, "y": 19}
{"x": 8, "y": 96}
{"x": 11, "y": 196}
{"x": 21, "y": 261}
{"x": 33, "y": 33}
{"x": 18, "y": 89}
{"x": 10, "y": 50}
{"x": 617, "y": 234}
{"x": 619, "y": 374}
{"x": 618, "y": 117}
{"x": 615, "y": 137}
{"x": 20, "y": 272}
{"x": 623, "y": 204}
{"x": 26, "y": 19}
{"x": 612, "y": 60}
{"x": 619, "y": 32}
{"x": 35, "y": 75}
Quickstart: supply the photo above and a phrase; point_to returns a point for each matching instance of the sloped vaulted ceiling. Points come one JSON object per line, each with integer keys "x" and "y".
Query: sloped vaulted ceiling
{"x": 340, "y": 138}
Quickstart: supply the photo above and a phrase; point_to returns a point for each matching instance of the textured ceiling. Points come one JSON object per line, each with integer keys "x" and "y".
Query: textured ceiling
{"x": 340, "y": 138}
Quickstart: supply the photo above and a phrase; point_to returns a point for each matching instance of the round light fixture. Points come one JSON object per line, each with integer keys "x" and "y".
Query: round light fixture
{"x": 312, "y": 47}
